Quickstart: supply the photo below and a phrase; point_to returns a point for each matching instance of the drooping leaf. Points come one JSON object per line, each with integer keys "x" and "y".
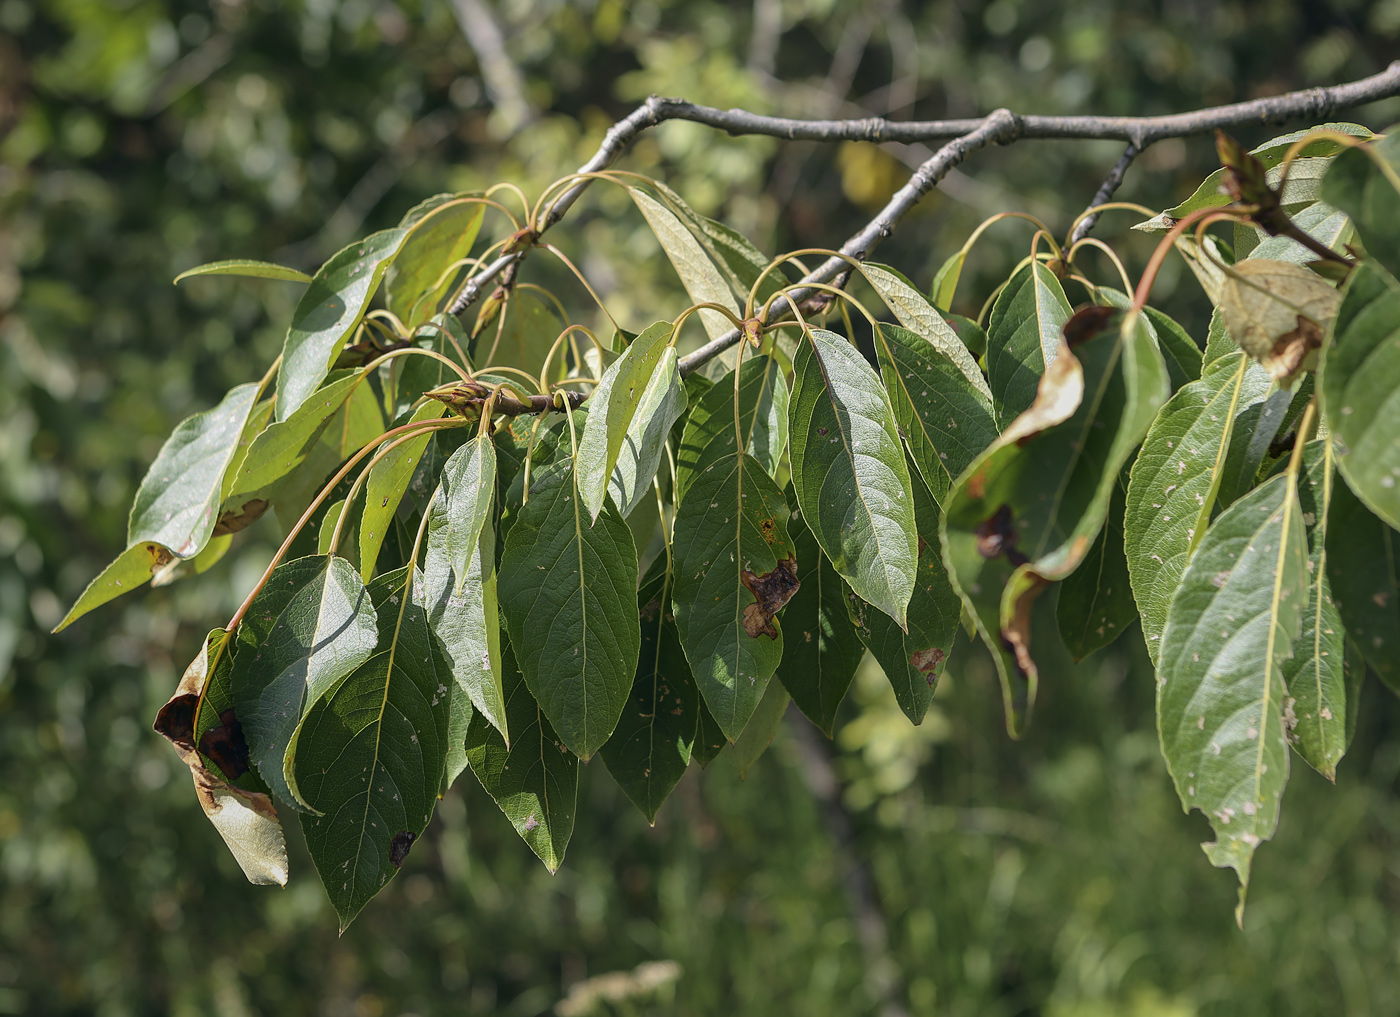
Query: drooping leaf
{"x": 919, "y": 316}
{"x": 459, "y": 718}
{"x": 328, "y": 313}
{"x": 1363, "y": 565}
{"x": 735, "y": 568}
{"x": 758, "y": 733}
{"x": 709, "y": 429}
{"x": 945, "y": 281}
{"x": 1220, "y": 690}
{"x": 528, "y": 330}
{"x": 1180, "y": 351}
{"x": 1175, "y": 479}
{"x": 662, "y": 404}
{"x": 309, "y": 627}
{"x": 613, "y": 406}
{"x": 245, "y": 266}
{"x": 388, "y": 480}
{"x": 701, "y": 279}
{"x": 820, "y": 648}
{"x": 912, "y": 660}
{"x": 1278, "y": 313}
{"x": 849, "y": 473}
{"x": 132, "y": 569}
{"x": 945, "y": 421}
{"x": 1360, "y": 389}
{"x": 460, "y": 580}
{"x": 369, "y": 755}
{"x": 1316, "y": 674}
{"x": 535, "y": 780}
{"x": 443, "y": 236}
{"x": 567, "y": 591}
{"x": 709, "y": 739}
{"x": 1096, "y": 603}
{"x": 246, "y": 820}
{"x": 651, "y": 747}
{"x": 1023, "y": 335}
{"x": 1362, "y": 189}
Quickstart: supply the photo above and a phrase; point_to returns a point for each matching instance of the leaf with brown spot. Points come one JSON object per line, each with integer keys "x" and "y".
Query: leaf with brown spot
{"x": 770, "y": 591}
{"x": 399, "y": 847}
{"x": 235, "y": 519}
{"x": 133, "y": 568}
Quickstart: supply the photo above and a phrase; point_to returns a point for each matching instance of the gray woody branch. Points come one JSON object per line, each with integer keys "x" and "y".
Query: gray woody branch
{"x": 1001, "y": 126}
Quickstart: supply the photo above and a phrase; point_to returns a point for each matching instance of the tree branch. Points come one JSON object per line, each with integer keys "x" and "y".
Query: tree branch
{"x": 1110, "y": 184}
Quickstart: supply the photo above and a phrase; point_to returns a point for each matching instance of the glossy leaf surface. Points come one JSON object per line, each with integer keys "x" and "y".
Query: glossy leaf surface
{"x": 698, "y": 273}
{"x": 132, "y": 569}
{"x": 248, "y": 267}
{"x": 919, "y": 316}
{"x": 1023, "y": 335}
{"x": 763, "y": 418}
{"x": 388, "y": 480}
{"x": 443, "y": 236}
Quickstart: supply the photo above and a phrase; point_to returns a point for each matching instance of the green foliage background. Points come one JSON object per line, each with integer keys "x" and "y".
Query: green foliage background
{"x": 1054, "y": 876}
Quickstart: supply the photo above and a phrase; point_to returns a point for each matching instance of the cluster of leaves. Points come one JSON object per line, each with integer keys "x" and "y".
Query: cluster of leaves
{"x": 560, "y": 546}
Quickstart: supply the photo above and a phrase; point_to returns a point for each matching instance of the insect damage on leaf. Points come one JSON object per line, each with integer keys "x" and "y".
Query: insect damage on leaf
{"x": 231, "y": 521}
{"x": 926, "y": 662}
{"x": 226, "y": 746}
{"x": 175, "y": 721}
{"x": 399, "y": 847}
{"x": 996, "y": 535}
{"x": 771, "y": 591}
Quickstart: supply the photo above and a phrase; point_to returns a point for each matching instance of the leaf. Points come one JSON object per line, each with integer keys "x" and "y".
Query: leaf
{"x": 735, "y": 568}
{"x": 535, "y": 780}
{"x": 568, "y": 595}
{"x": 650, "y": 749}
{"x": 709, "y": 430}
{"x": 1278, "y": 312}
{"x": 945, "y": 281}
{"x": 758, "y": 733}
{"x": 246, "y": 820}
{"x": 662, "y": 404}
{"x": 920, "y": 317}
{"x": 1220, "y": 690}
{"x": 1325, "y": 224}
{"x": 613, "y": 405}
{"x": 709, "y": 739}
{"x": 1023, "y": 335}
{"x": 1363, "y": 567}
{"x": 132, "y": 569}
{"x": 1360, "y": 389}
{"x": 849, "y": 474}
{"x": 1180, "y": 351}
{"x": 245, "y": 266}
{"x": 945, "y": 421}
{"x": 1095, "y": 604}
{"x": 369, "y": 756}
{"x": 1362, "y": 189}
{"x": 698, "y": 274}
{"x": 388, "y": 480}
{"x": 820, "y": 648}
{"x": 528, "y": 330}
{"x": 1172, "y": 490}
{"x": 441, "y": 237}
{"x": 328, "y": 313}
{"x": 309, "y": 627}
{"x": 459, "y": 718}
{"x": 1316, "y": 675}
{"x": 460, "y": 580}
{"x": 911, "y": 660}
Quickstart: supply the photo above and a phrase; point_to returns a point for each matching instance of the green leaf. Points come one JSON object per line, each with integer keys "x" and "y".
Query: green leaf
{"x": 1360, "y": 389}
{"x": 1180, "y": 351}
{"x": 328, "y": 313}
{"x": 1316, "y": 675}
{"x": 1363, "y": 566}
{"x": 709, "y": 738}
{"x": 528, "y": 330}
{"x": 662, "y": 404}
{"x": 849, "y": 474}
{"x": 388, "y": 480}
{"x": 178, "y": 501}
{"x": 1023, "y": 335}
{"x": 1218, "y": 341}
{"x": 309, "y": 627}
{"x": 1175, "y": 479}
{"x": 443, "y": 236}
{"x": 460, "y": 581}
{"x": 245, "y": 266}
{"x": 568, "y": 595}
{"x": 1220, "y": 689}
{"x": 945, "y": 421}
{"x": 973, "y": 336}
{"x": 1325, "y": 224}
{"x": 1361, "y": 188}
{"x": 759, "y": 731}
{"x": 701, "y": 279}
{"x": 613, "y": 406}
{"x": 132, "y": 569}
{"x": 911, "y": 659}
{"x": 945, "y": 281}
{"x": 1095, "y": 604}
{"x": 735, "y": 568}
{"x": 820, "y": 646}
{"x": 709, "y": 430}
{"x": 459, "y": 718}
{"x": 650, "y": 749}
{"x": 920, "y": 317}
{"x": 535, "y": 780}
{"x": 369, "y": 756}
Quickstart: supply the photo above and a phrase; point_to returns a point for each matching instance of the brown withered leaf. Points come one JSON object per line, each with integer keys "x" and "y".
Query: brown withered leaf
{"x": 1278, "y": 312}
{"x": 1089, "y": 322}
{"x": 771, "y": 591}
{"x": 232, "y": 521}
{"x": 247, "y": 820}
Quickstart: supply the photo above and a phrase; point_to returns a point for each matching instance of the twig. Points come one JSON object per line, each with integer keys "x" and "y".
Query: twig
{"x": 1110, "y": 184}
{"x": 473, "y": 395}
{"x": 1312, "y": 103}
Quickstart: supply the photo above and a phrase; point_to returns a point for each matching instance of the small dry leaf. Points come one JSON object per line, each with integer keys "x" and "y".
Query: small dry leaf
{"x": 1278, "y": 312}
{"x": 771, "y": 591}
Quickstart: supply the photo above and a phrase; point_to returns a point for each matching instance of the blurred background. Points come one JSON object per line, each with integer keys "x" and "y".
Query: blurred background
{"x": 940, "y": 869}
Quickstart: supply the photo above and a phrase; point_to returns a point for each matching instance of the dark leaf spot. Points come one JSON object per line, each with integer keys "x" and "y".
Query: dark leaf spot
{"x": 226, "y": 746}
{"x": 996, "y": 535}
{"x": 176, "y": 720}
{"x": 926, "y": 661}
{"x": 771, "y": 591}
{"x": 399, "y": 847}
{"x": 232, "y": 522}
